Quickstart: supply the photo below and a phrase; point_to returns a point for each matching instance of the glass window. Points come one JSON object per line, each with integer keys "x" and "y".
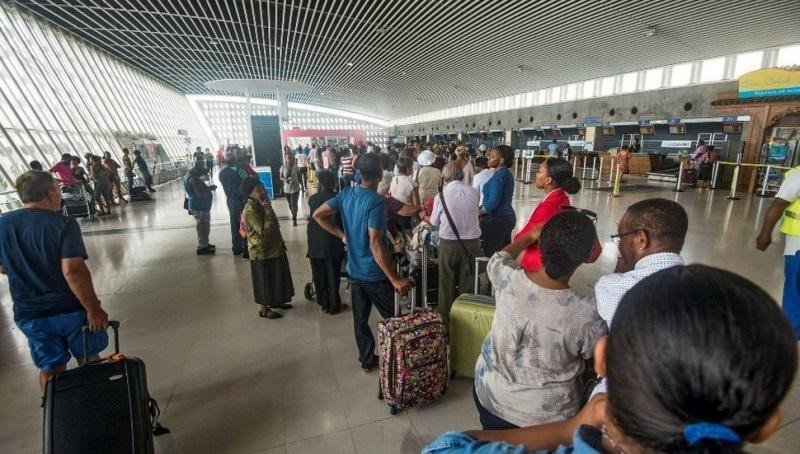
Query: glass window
{"x": 681, "y": 75}
{"x": 747, "y": 62}
{"x": 542, "y": 97}
{"x": 789, "y": 56}
{"x": 652, "y": 78}
{"x": 712, "y": 69}
{"x": 571, "y": 92}
{"x": 629, "y": 82}
{"x": 607, "y": 86}
{"x": 588, "y": 89}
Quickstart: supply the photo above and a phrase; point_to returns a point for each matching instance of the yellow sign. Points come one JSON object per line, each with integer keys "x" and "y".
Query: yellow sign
{"x": 769, "y": 82}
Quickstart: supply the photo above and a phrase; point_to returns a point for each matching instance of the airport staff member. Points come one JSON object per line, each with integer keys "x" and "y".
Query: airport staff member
{"x": 787, "y": 205}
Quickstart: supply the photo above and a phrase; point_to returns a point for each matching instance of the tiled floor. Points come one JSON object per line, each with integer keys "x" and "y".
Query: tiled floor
{"x": 230, "y": 382}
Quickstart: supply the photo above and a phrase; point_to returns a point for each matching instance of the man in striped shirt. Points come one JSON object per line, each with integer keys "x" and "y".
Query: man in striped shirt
{"x": 346, "y": 164}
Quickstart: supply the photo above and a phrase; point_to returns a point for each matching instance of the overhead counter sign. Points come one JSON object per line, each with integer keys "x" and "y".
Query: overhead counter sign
{"x": 676, "y": 144}
{"x": 769, "y": 82}
{"x": 533, "y": 143}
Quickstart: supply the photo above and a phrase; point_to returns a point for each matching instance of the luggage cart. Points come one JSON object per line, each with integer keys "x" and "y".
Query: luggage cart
{"x": 76, "y": 202}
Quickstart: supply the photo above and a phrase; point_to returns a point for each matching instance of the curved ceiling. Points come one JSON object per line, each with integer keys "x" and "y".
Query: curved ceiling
{"x": 395, "y": 58}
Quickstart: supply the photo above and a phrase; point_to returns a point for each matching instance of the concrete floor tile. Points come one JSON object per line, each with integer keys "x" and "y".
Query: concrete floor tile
{"x": 335, "y": 443}
{"x": 318, "y": 415}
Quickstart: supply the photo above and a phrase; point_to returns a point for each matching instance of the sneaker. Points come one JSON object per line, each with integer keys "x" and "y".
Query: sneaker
{"x": 370, "y": 364}
{"x": 205, "y": 251}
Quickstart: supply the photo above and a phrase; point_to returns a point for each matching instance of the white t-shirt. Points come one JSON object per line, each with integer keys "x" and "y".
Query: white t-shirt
{"x": 302, "y": 160}
{"x": 401, "y": 188}
{"x": 480, "y": 179}
{"x": 790, "y": 191}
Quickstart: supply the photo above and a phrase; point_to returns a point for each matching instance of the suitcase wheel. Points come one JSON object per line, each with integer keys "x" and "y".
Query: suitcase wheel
{"x": 393, "y": 410}
{"x": 308, "y": 291}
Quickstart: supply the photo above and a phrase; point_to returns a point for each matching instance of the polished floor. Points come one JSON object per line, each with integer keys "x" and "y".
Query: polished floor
{"x": 231, "y": 382}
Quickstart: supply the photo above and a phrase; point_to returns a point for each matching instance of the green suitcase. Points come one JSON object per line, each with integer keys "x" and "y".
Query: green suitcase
{"x": 470, "y": 321}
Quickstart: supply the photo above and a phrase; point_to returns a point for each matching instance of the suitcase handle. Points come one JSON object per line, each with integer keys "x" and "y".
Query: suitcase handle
{"x": 114, "y": 324}
{"x": 413, "y": 292}
{"x": 478, "y": 261}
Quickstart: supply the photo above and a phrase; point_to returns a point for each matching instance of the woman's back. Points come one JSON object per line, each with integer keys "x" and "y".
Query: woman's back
{"x": 532, "y": 359}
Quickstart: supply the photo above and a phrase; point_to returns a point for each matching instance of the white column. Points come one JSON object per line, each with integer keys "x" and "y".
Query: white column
{"x": 249, "y": 113}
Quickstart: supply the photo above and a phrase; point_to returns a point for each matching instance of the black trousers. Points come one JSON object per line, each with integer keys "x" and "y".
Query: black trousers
{"x": 303, "y": 171}
{"x": 239, "y": 245}
{"x": 364, "y": 295}
{"x": 327, "y": 279}
{"x": 129, "y": 182}
{"x": 293, "y": 200}
{"x": 496, "y": 232}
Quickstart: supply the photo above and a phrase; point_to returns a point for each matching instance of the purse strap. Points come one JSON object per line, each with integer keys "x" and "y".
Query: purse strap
{"x": 453, "y": 225}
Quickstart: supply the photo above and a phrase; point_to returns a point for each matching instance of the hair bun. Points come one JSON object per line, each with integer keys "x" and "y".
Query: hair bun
{"x": 572, "y": 185}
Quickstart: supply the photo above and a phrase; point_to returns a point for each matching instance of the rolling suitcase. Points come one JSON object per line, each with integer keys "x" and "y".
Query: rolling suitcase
{"x": 413, "y": 357}
{"x": 471, "y": 317}
{"x": 101, "y": 407}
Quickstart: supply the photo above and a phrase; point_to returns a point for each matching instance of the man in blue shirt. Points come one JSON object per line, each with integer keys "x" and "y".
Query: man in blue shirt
{"x": 42, "y": 253}
{"x": 369, "y": 265}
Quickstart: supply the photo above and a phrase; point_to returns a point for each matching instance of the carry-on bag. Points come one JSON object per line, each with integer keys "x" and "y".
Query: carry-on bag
{"x": 413, "y": 357}
{"x": 101, "y": 407}
{"x": 471, "y": 317}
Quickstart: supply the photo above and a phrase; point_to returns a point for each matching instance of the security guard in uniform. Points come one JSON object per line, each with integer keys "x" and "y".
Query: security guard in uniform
{"x": 787, "y": 206}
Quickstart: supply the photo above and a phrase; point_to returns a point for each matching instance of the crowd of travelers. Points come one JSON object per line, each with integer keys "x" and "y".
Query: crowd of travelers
{"x": 97, "y": 179}
{"x": 661, "y": 357}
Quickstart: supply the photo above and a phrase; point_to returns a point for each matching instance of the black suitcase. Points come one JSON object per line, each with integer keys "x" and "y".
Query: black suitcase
{"x": 101, "y": 407}
{"x": 139, "y": 193}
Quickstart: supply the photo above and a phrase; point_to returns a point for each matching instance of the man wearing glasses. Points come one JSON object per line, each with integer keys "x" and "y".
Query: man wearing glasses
{"x": 650, "y": 237}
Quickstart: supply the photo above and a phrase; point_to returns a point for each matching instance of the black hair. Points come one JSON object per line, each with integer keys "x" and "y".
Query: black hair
{"x": 326, "y": 179}
{"x": 405, "y": 165}
{"x": 662, "y": 219}
{"x": 35, "y": 165}
{"x": 555, "y": 141}
{"x": 386, "y": 163}
{"x": 247, "y": 186}
{"x": 561, "y": 172}
{"x": 507, "y": 153}
{"x": 566, "y": 242}
{"x": 482, "y": 162}
{"x": 66, "y": 157}
{"x": 370, "y": 167}
{"x": 75, "y": 160}
{"x": 697, "y": 344}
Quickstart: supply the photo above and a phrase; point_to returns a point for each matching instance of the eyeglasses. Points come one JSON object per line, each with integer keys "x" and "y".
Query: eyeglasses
{"x": 618, "y": 236}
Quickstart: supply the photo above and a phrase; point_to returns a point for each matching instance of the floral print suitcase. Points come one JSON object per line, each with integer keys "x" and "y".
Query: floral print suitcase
{"x": 413, "y": 359}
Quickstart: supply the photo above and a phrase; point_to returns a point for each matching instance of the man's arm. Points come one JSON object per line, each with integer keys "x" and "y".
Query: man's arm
{"x": 376, "y": 246}
{"x": 324, "y": 217}
{"x": 774, "y": 214}
{"x": 79, "y": 279}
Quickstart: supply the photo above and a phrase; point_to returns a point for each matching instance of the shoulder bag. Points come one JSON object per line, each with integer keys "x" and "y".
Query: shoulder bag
{"x": 453, "y": 225}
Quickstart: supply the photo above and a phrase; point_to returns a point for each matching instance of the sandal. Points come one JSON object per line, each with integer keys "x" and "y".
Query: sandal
{"x": 269, "y": 314}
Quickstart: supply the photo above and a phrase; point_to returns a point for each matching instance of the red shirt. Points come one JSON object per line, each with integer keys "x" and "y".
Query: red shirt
{"x": 552, "y": 204}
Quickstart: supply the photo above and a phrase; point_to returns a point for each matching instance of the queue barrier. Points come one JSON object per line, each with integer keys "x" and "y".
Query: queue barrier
{"x": 735, "y": 181}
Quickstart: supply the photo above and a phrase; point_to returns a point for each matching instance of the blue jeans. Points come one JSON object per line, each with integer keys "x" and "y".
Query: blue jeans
{"x": 791, "y": 291}
{"x": 52, "y": 339}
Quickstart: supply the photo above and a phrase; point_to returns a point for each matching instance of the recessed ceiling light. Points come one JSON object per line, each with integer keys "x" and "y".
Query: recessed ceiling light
{"x": 649, "y": 31}
{"x": 349, "y": 63}
{"x": 403, "y": 73}
{"x": 213, "y": 42}
{"x": 380, "y": 30}
{"x": 322, "y": 93}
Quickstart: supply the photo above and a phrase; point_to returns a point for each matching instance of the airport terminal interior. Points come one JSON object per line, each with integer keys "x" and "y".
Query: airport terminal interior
{"x": 694, "y": 102}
